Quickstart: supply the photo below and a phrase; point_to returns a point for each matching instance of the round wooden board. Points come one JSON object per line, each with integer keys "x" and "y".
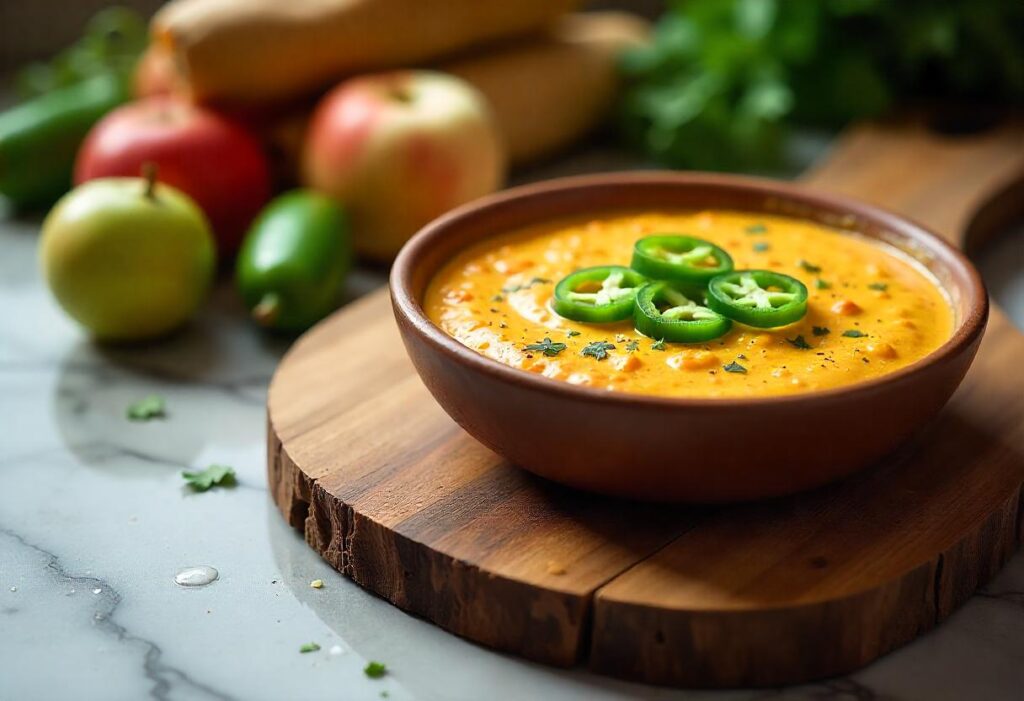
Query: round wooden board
{"x": 396, "y": 496}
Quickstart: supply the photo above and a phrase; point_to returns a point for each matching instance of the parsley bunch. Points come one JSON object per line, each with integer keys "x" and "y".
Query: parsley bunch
{"x": 723, "y": 80}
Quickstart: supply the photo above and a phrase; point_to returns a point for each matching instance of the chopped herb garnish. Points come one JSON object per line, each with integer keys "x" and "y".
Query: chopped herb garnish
{"x": 854, "y": 333}
{"x": 880, "y": 286}
{"x": 632, "y": 345}
{"x": 822, "y": 284}
{"x": 761, "y": 247}
{"x": 820, "y": 330}
{"x": 213, "y": 476}
{"x": 375, "y": 670}
{"x": 497, "y": 298}
{"x": 573, "y": 332}
{"x": 810, "y": 267}
{"x": 735, "y": 367}
{"x": 547, "y": 347}
{"x": 658, "y": 345}
{"x": 798, "y": 342}
{"x": 309, "y": 647}
{"x": 525, "y": 286}
{"x": 598, "y": 349}
{"x": 152, "y": 407}
{"x": 741, "y": 356}
{"x": 756, "y": 229}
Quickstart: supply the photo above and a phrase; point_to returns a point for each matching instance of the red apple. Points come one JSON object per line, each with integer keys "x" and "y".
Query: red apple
{"x": 205, "y": 155}
{"x": 399, "y": 149}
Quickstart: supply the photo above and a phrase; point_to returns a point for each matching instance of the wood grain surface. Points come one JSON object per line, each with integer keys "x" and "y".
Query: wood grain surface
{"x": 394, "y": 495}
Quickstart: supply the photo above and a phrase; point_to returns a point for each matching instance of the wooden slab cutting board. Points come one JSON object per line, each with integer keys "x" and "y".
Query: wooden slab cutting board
{"x": 396, "y": 496}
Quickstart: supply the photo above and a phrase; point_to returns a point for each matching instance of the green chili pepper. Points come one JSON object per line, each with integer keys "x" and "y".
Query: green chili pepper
{"x": 39, "y": 138}
{"x": 293, "y": 263}
{"x": 758, "y": 298}
{"x": 679, "y": 259}
{"x": 598, "y": 295}
{"x": 664, "y": 311}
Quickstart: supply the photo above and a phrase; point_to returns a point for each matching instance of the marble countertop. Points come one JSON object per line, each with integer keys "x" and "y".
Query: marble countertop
{"x": 95, "y": 523}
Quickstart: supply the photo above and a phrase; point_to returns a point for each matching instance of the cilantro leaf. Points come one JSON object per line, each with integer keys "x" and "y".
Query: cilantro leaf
{"x": 658, "y": 345}
{"x": 854, "y": 333}
{"x": 880, "y": 286}
{"x": 798, "y": 342}
{"x": 525, "y": 286}
{"x": 632, "y": 345}
{"x": 810, "y": 267}
{"x": 375, "y": 670}
{"x": 822, "y": 285}
{"x": 213, "y": 476}
{"x": 309, "y": 647}
{"x": 756, "y": 229}
{"x": 735, "y": 367}
{"x": 152, "y": 407}
{"x": 547, "y": 347}
{"x": 820, "y": 330}
{"x": 598, "y": 349}
{"x": 573, "y": 332}
{"x": 761, "y": 247}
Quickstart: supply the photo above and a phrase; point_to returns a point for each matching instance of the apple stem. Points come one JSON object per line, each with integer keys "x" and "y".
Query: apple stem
{"x": 266, "y": 311}
{"x": 149, "y": 173}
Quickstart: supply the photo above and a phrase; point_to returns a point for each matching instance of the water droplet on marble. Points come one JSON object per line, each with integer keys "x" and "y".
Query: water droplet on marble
{"x": 336, "y": 650}
{"x": 14, "y": 588}
{"x": 96, "y": 591}
{"x": 196, "y": 576}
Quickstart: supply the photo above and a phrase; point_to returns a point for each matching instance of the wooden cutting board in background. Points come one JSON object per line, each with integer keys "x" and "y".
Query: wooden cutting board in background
{"x": 396, "y": 496}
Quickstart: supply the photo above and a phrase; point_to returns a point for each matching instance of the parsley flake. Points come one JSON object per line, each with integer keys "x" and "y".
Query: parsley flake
{"x": 525, "y": 286}
{"x": 309, "y": 647}
{"x": 761, "y": 247}
{"x": 854, "y": 333}
{"x": 798, "y": 342}
{"x": 820, "y": 330}
{"x": 497, "y": 298}
{"x": 632, "y": 345}
{"x": 822, "y": 285}
{"x": 375, "y": 670}
{"x": 756, "y": 229}
{"x": 735, "y": 367}
{"x": 573, "y": 332}
{"x": 152, "y": 407}
{"x": 598, "y": 349}
{"x": 880, "y": 286}
{"x": 213, "y": 476}
{"x": 658, "y": 345}
{"x": 810, "y": 267}
{"x": 547, "y": 347}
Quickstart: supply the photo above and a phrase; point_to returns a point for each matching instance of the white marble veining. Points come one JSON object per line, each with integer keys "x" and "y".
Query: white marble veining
{"x": 95, "y": 524}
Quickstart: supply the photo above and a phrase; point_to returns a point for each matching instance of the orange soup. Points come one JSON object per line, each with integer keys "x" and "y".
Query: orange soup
{"x": 870, "y": 309}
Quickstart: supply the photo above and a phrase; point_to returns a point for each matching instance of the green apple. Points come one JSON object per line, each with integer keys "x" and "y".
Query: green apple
{"x": 128, "y": 258}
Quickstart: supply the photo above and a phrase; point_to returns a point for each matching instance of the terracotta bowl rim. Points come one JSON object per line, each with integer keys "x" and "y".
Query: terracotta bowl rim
{"x": 407, "y": 308}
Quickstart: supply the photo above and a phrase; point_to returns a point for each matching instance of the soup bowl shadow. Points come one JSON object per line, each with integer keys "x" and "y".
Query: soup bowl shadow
{"x": 680, "y": 449}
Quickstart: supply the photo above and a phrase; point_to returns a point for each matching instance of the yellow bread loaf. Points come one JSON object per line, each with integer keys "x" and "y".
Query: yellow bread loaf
{"x": 254, "y": 51}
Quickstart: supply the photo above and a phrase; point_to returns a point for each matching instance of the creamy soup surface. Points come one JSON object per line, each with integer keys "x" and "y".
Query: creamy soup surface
{"x": 870, "y": 310}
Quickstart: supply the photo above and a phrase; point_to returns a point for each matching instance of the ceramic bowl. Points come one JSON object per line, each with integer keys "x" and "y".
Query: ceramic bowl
{"x": 679, "y": 449}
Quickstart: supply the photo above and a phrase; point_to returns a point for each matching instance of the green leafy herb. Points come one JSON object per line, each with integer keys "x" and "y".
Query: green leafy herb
{"x": 547, "y": 347}
{"x": 213, "y": 476}
{"x": 598, "y": 349}
{"x": 632, "y": 345}
{"x": 798, "y": 342}
{"x": 152, "y": 407}
{"x": 810, "y": 267}
{"x": 880, "y": 286}
{"x": 820, "y": 330}
{"x": 573, "y": 332}
{"x": 658, "y": 345}
{"x": 525, "y": 286}
{"x": 761, "y": 247}
{"x": 497, "y": 298}
{"x": 735, "y": 367}
{"x": 375, "y": 670}
{"x": 822, "y": 285}
{"x": 755, "y": 229}
{"x": 854, "y": 333}
{"x": 309, "y": 647}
